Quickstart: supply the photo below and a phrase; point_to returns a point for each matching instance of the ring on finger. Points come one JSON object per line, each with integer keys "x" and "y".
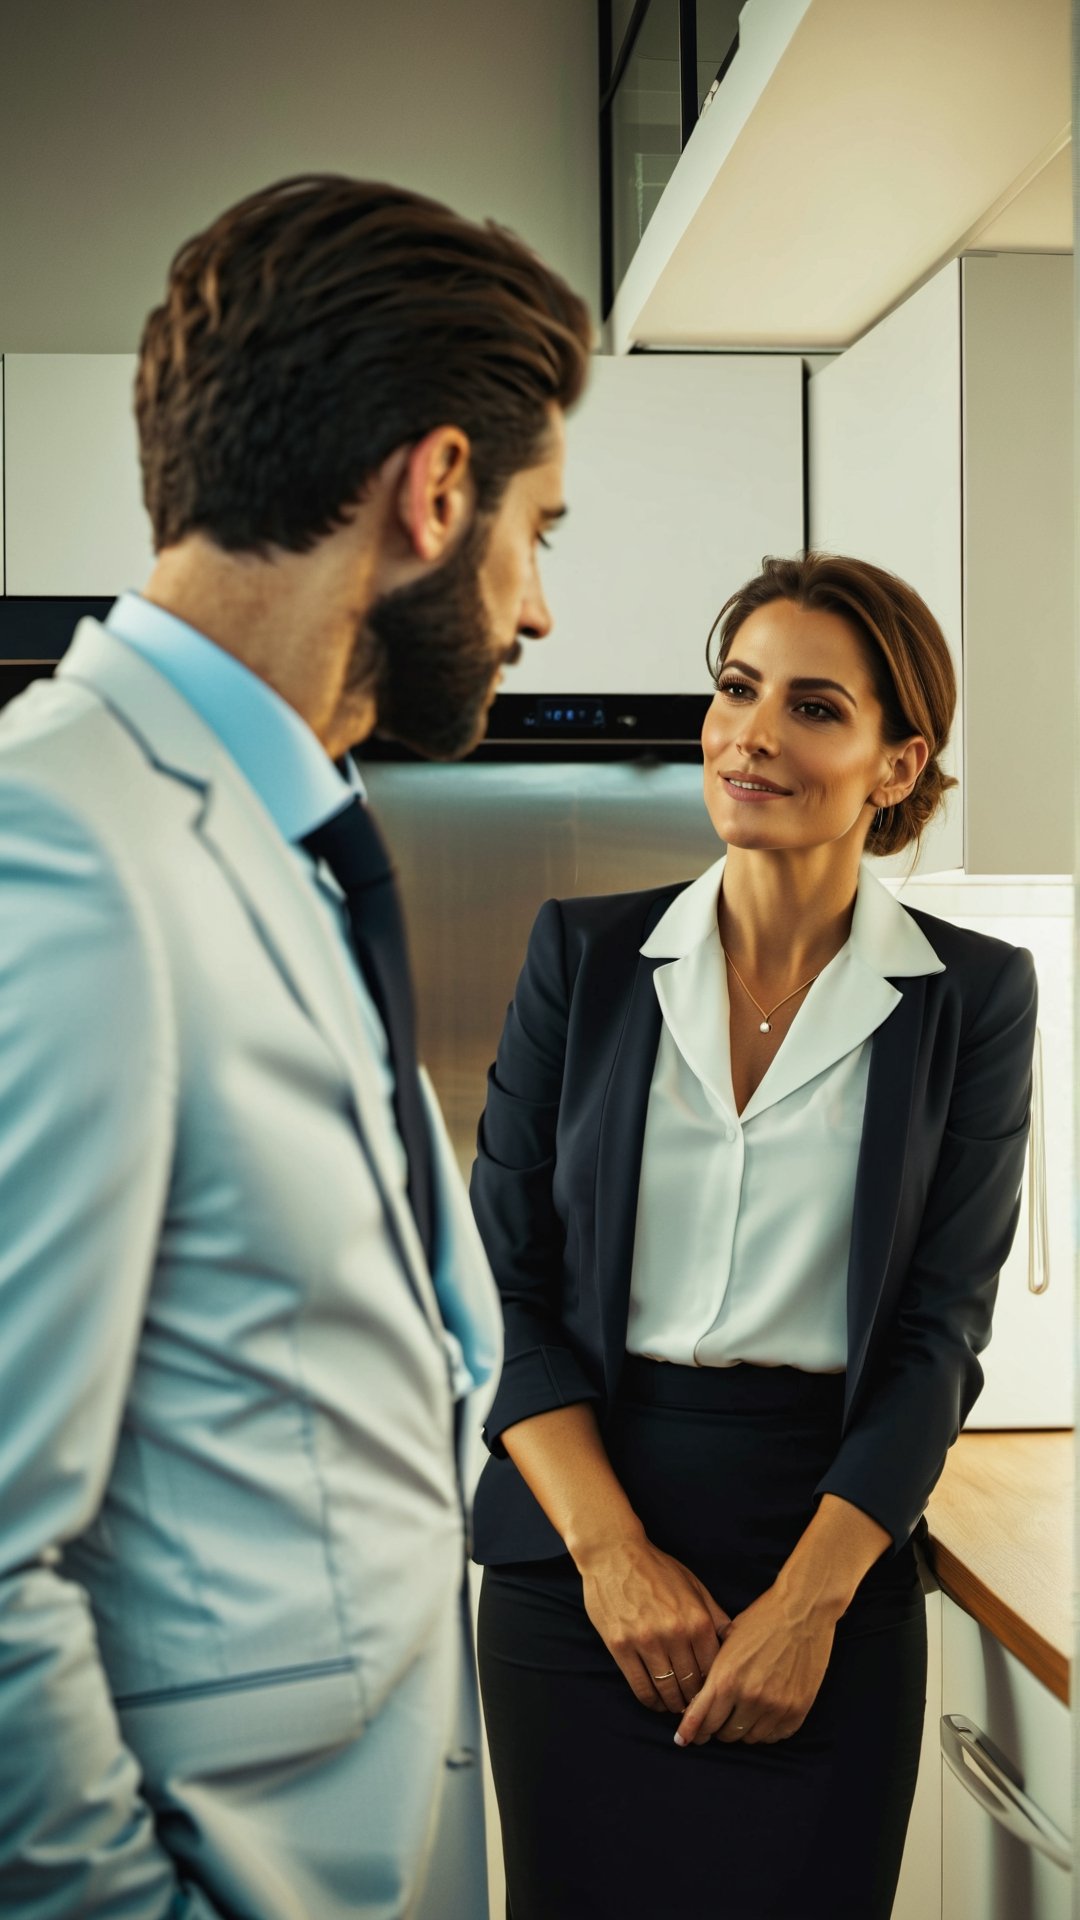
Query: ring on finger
{"x": 664, "y": 1676}
{"x": 684, "y": 1677}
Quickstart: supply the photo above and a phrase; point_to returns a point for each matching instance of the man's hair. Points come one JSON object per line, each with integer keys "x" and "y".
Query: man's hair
{"x": 323, "y": 322}
{"x": 906, "y": 654}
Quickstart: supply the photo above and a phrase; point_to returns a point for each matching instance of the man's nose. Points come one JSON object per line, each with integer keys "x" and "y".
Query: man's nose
{"x": 535, "y": 620}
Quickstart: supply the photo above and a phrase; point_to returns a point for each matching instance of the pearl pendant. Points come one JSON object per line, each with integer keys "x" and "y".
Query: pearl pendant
{"x": 765, "y": 1027}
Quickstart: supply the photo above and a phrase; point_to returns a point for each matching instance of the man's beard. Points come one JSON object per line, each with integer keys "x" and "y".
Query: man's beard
{"x": 427, "y": 655}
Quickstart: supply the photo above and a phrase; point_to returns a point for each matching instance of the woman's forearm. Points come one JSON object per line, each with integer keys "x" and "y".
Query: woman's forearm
{"x": 562, "y": 1460}
{"x": 833, "y": 1553}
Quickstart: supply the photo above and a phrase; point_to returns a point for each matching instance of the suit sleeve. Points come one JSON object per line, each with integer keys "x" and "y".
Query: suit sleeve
{"x": 927, "y": 1376}
{"x": 512, "y": 1189}
{"x": 87, "y": 1094}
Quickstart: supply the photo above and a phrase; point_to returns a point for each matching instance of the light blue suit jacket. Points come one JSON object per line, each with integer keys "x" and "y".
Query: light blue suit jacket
{"x": 227, "y": 1457}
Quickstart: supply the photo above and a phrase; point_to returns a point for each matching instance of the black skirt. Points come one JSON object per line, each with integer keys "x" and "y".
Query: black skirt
{"x": 602, "y": 1815}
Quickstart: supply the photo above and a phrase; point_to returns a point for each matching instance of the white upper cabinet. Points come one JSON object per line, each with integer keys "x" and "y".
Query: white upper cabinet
{"x": 940, "y": 447}
{"x": 682, "y": 470}
{"x": 74, "y": 523}
{"x": 848, "y": 149}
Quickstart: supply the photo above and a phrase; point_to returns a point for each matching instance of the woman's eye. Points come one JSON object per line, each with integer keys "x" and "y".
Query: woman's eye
{"x": 815, "y": 708}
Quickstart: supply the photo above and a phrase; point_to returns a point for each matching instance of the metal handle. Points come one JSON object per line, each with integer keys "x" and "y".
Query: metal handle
{"x": 1038, "y": 1221}
{"x": 965, "y": 1748}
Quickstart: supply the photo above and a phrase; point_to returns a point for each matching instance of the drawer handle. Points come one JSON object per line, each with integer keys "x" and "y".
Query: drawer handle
{"x": 963, "y": 1747}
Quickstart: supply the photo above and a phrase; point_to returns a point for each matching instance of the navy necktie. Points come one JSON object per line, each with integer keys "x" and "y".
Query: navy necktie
{"x": 357, "y": 856}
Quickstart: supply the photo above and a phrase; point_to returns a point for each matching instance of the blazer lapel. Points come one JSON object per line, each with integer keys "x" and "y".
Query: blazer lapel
{"x": 273, "y": 887}
{"x": 889, "y": 1005}
{"x": 883, "y": 1152}
{"x": 263, "y": 871}
{"x": 618, "y": 1160}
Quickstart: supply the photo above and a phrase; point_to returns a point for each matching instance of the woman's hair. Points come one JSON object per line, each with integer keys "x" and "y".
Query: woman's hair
{"x": 906, "y": 654}
{"x": 323, "y": 322}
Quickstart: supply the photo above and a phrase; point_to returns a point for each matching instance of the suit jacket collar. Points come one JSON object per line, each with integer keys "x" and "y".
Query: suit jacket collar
{"x": 268, "y": 876}
{"x": 848, "y": 1001}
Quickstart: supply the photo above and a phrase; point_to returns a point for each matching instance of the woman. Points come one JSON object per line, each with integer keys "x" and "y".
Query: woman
{"x": 747, "y": 1173}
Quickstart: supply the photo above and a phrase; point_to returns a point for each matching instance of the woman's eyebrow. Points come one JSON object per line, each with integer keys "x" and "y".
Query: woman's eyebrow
{"x": 801, "y": 686}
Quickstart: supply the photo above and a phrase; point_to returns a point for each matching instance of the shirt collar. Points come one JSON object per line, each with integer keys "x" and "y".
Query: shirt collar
{"x": 883, "y": 934}
{"x": 275, "y": 749}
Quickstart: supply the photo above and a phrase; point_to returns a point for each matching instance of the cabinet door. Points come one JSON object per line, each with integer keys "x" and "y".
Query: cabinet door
{"x": 918, "y": 1892}
{"x": 74, "y": 523}
{"x": 883, "y": 430}
{"x": 1019, "y": 587}
{"x": 682, "y": 470}
{"x": 987, "y": 1874}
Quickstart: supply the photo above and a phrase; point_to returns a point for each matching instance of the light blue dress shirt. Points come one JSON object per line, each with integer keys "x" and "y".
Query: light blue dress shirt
{"x": 301, "y": 788}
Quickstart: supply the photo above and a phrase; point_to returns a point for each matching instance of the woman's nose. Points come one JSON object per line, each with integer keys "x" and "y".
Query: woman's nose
{"x": 756, "y": 733}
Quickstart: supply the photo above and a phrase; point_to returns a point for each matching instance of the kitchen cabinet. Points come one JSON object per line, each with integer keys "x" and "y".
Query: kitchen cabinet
{"x": 74, "y": 522}
{"x": 1018, "y": 1772}
{"x": 940, "y": 446}
{"x": 960, "y": 1862}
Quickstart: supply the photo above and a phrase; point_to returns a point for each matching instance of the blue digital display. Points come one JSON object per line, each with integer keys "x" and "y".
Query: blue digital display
{"x": 571, "y": 715}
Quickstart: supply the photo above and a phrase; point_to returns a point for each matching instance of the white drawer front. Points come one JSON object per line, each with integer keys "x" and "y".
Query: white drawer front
{"x": 987, "y": 1874}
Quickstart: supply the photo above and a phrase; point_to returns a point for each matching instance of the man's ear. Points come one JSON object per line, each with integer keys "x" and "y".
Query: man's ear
{"x": 436, "y": 494}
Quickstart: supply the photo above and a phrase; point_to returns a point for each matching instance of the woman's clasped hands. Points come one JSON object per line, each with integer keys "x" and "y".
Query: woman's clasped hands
{"x": 763, "y": 1683}
{"x": 658, "y": 1621}
{"x": 753, "y": 1678}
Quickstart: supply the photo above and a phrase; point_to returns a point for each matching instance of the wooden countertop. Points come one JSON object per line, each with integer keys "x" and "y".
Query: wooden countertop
{"x": 1000, "y": 1522}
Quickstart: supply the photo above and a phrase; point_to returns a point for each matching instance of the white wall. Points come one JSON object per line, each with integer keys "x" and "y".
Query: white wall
{"x": 125, "y": 125}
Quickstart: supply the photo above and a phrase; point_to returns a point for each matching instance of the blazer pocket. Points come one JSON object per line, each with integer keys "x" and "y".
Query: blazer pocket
{"x": 197, "y": 1731}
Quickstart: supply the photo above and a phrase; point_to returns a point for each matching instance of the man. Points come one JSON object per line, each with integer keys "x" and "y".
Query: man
{"x": 240, "y": 1291}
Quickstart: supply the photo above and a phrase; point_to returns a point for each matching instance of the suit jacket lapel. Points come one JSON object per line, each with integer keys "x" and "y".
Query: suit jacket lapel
{"x": 618, "y": 1158}
{"x": 883, "y": 1153}
{"x": 266, "y": 875}
{"x": 879, "y": 1182}
{"x": 274, "y": 889}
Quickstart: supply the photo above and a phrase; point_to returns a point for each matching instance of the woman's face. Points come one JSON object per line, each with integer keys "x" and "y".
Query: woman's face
{"x": 795, "y": 709}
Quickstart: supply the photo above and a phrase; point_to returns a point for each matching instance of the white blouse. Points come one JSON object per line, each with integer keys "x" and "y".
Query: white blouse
{"x": 744, "y": 1221}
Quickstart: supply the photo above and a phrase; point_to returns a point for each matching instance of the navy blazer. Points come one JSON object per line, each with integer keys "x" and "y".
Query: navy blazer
{"x": 937, "y": 1197}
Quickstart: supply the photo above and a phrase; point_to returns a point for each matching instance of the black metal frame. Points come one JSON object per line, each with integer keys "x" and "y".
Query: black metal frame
{"x": 613, "y": 63}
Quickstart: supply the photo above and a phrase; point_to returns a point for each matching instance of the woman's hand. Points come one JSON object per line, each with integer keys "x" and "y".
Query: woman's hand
{"x": 766, "y": 1676}
{"x": 661, "y": 1626}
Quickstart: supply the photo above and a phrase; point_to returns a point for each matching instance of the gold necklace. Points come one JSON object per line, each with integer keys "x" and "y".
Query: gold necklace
{"x": 766, "y": 1018}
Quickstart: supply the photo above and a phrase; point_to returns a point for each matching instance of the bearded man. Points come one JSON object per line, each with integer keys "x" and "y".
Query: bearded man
{"x": 242, "y": 1304}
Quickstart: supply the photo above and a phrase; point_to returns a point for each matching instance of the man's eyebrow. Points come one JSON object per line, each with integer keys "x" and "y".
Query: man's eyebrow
{"x": 551, "y": 514}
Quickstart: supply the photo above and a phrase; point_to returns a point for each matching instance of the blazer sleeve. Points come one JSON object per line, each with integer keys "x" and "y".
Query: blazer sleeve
{"x": 87, "y": 1073}
{"x": 512, "y": 1189}
{"x": 927, "y": 1376}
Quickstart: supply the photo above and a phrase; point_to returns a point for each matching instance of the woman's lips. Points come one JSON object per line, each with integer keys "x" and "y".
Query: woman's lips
{"x": 751, "y": 794}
